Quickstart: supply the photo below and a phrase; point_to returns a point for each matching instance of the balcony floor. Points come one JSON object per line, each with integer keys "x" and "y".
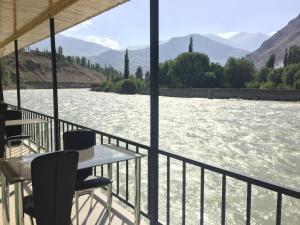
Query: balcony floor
{"x": 87, "y": 215}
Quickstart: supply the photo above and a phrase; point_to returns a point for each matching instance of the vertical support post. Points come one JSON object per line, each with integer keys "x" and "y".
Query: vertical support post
{"x": 1, "y": 78}
{"x": 154, "y": 113}
{"x": 54, "y": 83}
{"x": 17, "y": 72}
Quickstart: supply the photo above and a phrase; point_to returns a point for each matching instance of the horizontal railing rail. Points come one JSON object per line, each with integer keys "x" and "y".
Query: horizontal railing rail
{"x": 250, "y": 181}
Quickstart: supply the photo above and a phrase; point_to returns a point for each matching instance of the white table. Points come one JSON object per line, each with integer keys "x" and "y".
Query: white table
{"x": 17, "y": 170}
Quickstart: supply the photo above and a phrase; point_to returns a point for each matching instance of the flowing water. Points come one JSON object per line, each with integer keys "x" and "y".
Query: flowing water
{"x": 259, "y": 138}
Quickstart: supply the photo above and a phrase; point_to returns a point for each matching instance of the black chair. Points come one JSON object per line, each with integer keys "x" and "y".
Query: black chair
{"x": 86, "y": 181}
{"x": 2, "y": 136}
{"x": 53, "y": 182}
{"x": 14, "y": 134}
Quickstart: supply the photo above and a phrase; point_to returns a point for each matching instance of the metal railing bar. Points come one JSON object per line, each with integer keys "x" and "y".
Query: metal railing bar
{"x": 202, "y": 197}
{"x": 239, "y": 176}
{"x": 223, "y": 212}
{"x": 248, "y": 214}
{"x": 168, "y": 190}
{"x": 183, "y": 192}
{"x": 279, "y": 206}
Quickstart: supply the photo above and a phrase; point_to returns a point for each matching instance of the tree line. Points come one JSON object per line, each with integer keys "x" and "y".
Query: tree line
{"x": 286, "y": 77}
{"x": 195, "y": 70}
{"x": 110, "y": 72}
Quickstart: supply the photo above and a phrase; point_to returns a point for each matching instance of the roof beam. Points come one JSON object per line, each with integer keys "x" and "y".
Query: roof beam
{"x": 42, "y": 17}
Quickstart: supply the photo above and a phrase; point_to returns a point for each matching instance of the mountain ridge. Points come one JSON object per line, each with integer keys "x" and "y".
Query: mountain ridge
{"x": 283, "y": 39}
{"x": 217, "y": 51}
{"x": 83, "y": 48}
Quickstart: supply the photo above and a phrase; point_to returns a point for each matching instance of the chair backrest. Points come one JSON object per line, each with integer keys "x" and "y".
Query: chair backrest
{"x": 2, "y": 136}
{"x": 53, "y": 182}
{"x": 13, "y": 115}
{"x": 3, "y": 108}
{"x": 80, "y": 140}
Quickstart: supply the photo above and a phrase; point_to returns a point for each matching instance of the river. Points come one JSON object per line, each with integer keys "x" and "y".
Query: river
{"x": 260, "y": 138}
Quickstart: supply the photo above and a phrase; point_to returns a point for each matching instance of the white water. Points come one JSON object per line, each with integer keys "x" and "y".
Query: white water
{"x": 260, "y": 138}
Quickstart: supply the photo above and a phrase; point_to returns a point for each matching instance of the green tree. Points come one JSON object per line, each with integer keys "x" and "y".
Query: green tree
{"x": 297, "y": 80}
{"x": 128, "y": 87}
{"x": 59, "y": 54}
{"x": 285, "y": 59}
{"x": 139, "y": 73}
{"x": 126, "y": 65}
{"x": 209, "y": 80}
{"x": 147, "y": 76}
{"x": 271, "y": 61}
{"x": 164, "y": 74}
{"x": 191, "y": 45}
{"x": 189, "y": 68}
{"x": 288, "y": 75}
{"x": 294, "y": 55}
{"x": 83, "y": 61}
{"x": 238, "y": 72}
{"x": 218, "y": 70}
{"x": 262, "y": 75}
{"x": 275, "y": 77}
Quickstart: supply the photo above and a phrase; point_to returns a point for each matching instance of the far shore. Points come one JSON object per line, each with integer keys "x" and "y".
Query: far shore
{"x": 226, "y": 93}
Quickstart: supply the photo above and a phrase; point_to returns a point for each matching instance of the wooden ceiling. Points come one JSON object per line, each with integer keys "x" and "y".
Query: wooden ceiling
{"x": 28, "y": 20}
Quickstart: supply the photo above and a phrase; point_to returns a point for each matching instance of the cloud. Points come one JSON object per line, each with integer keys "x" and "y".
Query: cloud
{"x": 227, "y": 35}
{"x": 272, "y": 33}
{"x": 110, "y": 43}
{"x": 84, "y": 24}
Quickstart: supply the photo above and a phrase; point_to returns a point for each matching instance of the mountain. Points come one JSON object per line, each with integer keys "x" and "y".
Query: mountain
{"x": 248, "y": 41}
{"x": 36, "y": 72}
{"x": 284, "y": 38}
{"x": 217, "y": 52}
{"x": 220, "y": 39}
{"x": 72, "y": 46}
{"x": 242, "y": 40}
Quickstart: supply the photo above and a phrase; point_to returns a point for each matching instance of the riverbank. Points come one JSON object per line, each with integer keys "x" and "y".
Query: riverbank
{"x": 227, "y": 93}
{"x": 49, "y": 85}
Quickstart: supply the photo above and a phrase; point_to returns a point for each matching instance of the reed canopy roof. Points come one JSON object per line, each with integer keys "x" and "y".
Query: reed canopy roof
{"x": 28, "y": 20}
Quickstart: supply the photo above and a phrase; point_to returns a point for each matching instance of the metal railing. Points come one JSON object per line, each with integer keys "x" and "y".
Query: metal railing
{"x": 203, "y": 168}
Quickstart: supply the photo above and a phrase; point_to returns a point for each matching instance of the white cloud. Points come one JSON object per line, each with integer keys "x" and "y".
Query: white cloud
{"x": 272, "y": 33}
{"x": 110, "y": 43}
{"x": 84, "y": 24}
{"x": 227, "y": 35}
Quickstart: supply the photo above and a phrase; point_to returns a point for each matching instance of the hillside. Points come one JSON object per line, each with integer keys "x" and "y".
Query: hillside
{"x": 286, "y": 37}
{"x": 248, "y": 41}
{"x": 242, "y": 40}
{"x": 72, "y": 46}
{"x": 36, "y": 72}
{"x": 217, "y": 52}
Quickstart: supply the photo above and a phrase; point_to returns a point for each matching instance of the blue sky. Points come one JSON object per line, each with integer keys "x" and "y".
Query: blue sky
{"x": 128, "y": 24}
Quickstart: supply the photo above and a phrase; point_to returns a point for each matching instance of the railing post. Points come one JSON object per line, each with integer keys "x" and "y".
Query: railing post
{"x": 54, "y": 82}
{"x": 154, "y": 113}
{"x": 17, "y": 73}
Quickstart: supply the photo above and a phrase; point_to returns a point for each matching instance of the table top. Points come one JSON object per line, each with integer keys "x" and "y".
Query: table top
{"x": 19, "y": 168}
{"x": 24, "y": 122}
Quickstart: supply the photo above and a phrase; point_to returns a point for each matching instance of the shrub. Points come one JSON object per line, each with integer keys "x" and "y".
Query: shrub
{"x": 128, "y": 87}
